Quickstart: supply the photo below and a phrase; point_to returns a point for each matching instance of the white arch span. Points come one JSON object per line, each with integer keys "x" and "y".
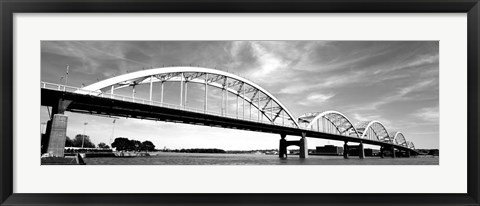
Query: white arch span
{"x": 399, "y": 139}
{"x": 323, "y": 114}
{"x": 105, "y": 84}
{"x": 368, "y": 124}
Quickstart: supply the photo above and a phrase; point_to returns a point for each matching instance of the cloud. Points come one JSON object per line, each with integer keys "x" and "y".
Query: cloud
{"x": 421, "y": 60}
{"x": 416, "y": 87}
{"x": 325, "y": 83}
{"x": 360, "y": 118}
{"x": 429, "y": 114}
{"x": 369, "y": 117}
{"x": 316, "y": 98}
{"x": 295, "y": 89}
{"x": 402, "y": 94}
{"x": 268, "y": 61}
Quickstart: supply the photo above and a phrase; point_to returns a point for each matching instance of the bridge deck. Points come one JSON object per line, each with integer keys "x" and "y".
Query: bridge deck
{"x": 92, "y": 104}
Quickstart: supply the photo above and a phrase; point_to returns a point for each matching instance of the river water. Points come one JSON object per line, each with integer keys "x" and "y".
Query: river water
{"x": 164, "y": 158}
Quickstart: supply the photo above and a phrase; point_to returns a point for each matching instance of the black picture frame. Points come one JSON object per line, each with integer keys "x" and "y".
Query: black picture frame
{"x": 10, "y": 7}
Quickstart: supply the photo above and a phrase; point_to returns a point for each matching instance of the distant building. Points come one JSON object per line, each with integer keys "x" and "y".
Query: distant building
{"x": 434, "y": 152}
{"x": 329, "y": 150}
{"x": 371, "y": 152}
{"x": 353, "y": 151}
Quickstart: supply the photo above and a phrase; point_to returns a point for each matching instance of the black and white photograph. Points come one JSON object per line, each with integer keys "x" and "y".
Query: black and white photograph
{"x": 239, "y": 102}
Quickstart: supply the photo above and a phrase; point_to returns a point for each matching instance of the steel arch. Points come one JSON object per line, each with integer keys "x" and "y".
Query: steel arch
{"x": 399, "y": 139}
{"x": 171, "y": 74}
{"x": 411, "y": 145}
{"x": 339, "y": 120}
{"x": 376, "y": 127}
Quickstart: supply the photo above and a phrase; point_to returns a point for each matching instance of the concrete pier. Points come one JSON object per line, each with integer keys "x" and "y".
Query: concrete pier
{"x": 302, "y": 143}
{"x": 282, "y": 150}
{"x": 303, "y": 146}
{"x": 361, "y": 151}
{"x": 57, "y": 135}
{"x": 345, "y": 150}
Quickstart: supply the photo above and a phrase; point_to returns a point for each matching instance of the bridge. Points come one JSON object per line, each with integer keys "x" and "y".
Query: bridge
{"x": 253, "y": 109}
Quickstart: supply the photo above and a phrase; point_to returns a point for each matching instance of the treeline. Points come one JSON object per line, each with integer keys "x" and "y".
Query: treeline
{"x": 77, "y": 141}
{"x": 87, "y": 143}
{"x": 124, "y": 144}
{"x": 86, "y": 150}
{"x": 198, "y": 150}
{"x": 428, "y": 151}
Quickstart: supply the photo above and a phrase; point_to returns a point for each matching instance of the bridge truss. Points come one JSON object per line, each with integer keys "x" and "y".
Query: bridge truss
{"x": 252, "y": 101}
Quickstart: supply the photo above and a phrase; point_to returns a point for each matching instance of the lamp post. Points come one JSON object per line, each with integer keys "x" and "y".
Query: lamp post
{"x": 83, "y": 137}
{"x": 113, "y": 130}
{"x": 66, "y": 75}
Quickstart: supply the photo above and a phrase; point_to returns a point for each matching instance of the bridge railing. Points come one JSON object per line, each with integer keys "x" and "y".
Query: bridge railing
{"x": 64, "y": 88}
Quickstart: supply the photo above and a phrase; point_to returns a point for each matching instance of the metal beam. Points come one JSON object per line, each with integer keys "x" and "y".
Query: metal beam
{"x": 253, "y": 96}
{"x": 206, "y": 93}
{"x": 151, "y": 87}
{"x": 186, "y": 93}
{"x": 240, "y": 88}
{"x": 181, "y": 89}
{"x": 214, "y": 79}
{"x": 277, "y": 115}
{"x": 225, "y": 88}
{"x": 273, "y": 108}
{"x": 133, "y": 93}
{"x": 161, "y": 97}
{"x": 261, "y": 98}
{"x": 266, "y": 104}
{"x": 194, "y": 76}
{"x": 250, "y": 90}
{"x": 235, "y": 83}
{"x": 243, "y": 105}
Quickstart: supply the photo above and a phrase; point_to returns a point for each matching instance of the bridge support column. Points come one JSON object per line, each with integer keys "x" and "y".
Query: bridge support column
{"x": 381, "y": 152}
{"x": 393, "y": 152}
{"x": 303, "y": 147}
{"x": 361, "y": 152}
{"x": 56, "y": 133}
{"x": 282, "y": 150}
{"x": 345, "y": 150}
{"x": 407, "y": 153}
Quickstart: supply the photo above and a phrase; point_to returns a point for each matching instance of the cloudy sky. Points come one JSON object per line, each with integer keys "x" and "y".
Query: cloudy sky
{"x": 395, "y": 83}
